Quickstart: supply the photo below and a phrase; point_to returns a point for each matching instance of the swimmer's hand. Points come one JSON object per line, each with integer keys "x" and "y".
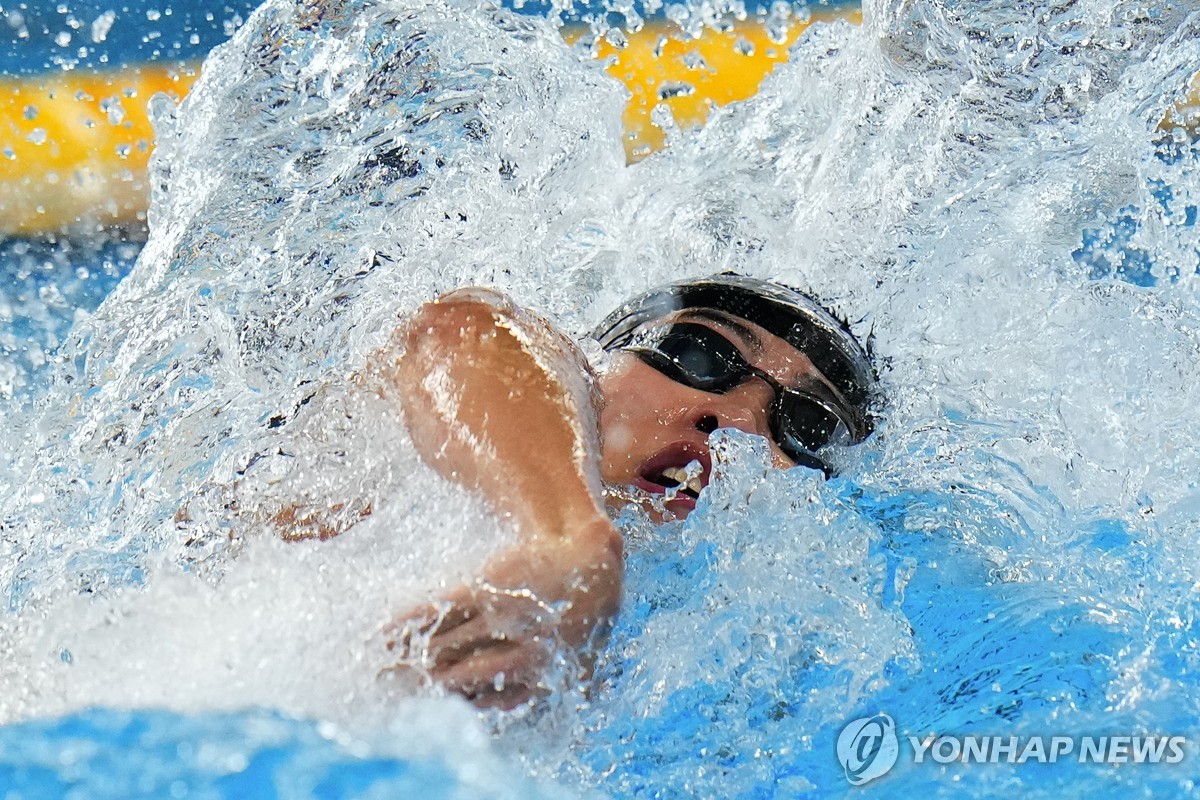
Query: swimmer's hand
{"x": 498, "y": 401}
{"x": 494, "y": 641}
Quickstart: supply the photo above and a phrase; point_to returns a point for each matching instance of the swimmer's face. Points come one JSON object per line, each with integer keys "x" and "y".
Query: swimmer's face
{"x": 651, "y": 425}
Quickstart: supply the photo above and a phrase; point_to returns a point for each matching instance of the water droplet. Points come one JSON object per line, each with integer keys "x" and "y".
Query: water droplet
{"x": 778, "y": 21}
{"x": 669, "y": 89}
{"x": 102, "y": 25}
{"x": 693, "y": 60}
{"x": 112, "y": 108}
{"x": 617, "y": 38}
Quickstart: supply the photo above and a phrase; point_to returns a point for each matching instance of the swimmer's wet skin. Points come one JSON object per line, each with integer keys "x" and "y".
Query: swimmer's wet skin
{"x": 480, "y": 380}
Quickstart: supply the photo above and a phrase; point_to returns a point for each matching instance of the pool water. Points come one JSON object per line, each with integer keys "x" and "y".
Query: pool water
{"x": 1000, "y": 196}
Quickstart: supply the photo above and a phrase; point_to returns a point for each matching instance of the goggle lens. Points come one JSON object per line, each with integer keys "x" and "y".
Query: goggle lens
{"x": 701, "y": 358}
{"x": 696, "y": 356}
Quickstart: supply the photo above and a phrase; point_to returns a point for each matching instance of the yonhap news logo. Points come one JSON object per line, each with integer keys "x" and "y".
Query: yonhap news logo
{"x": 868, "y": 748}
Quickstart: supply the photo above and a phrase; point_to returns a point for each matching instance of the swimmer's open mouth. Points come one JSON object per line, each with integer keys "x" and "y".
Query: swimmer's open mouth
{"x": 668, "y": 469}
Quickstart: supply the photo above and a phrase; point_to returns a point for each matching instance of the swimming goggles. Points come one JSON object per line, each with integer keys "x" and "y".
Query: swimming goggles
{"x": 701, "y": 358}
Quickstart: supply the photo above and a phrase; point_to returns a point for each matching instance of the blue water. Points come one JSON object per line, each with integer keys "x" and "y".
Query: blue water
{"x": 112, "y": 754}
{"x": 950, "y": 578}
{"x": 40, "y": 37}
{"x": 990, "y": 657}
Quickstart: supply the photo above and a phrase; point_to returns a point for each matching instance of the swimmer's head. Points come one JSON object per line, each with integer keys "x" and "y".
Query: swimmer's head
{"x": 726, "y": 351}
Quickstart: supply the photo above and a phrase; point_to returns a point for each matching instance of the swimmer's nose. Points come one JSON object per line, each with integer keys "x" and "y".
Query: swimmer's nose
{"x": 745, "y": 407}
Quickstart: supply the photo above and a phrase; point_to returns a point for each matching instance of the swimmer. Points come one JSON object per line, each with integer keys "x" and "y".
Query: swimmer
{"x": 499, "y": 402}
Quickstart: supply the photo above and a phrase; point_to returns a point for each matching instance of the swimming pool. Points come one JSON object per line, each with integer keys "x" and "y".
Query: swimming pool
{"x": 987, "y": 188}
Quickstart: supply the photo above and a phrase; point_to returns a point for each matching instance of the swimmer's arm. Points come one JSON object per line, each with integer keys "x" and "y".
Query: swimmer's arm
{"x": 497, "y": 401}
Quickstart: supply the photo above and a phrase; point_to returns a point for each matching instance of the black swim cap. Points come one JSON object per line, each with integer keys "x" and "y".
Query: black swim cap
{"x": 787, "y": 313}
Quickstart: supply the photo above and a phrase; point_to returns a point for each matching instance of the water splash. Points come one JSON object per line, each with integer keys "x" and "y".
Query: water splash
{"x": 1011, "y": 553}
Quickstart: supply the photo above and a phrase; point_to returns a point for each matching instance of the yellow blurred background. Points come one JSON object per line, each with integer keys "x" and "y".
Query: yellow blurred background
{"x": 74, "y": 148}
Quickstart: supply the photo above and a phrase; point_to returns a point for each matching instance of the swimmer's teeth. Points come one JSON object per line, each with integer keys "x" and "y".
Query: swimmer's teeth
{"x": 684, "y": 477}
{"x": 683, "y": 480}
{"x": 677, "y": 475}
